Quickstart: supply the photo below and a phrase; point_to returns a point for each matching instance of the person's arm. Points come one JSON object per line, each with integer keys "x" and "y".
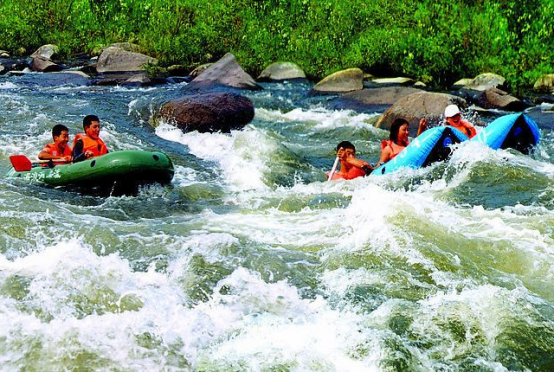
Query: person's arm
{"x": 470, "y": 129}
{"x": 423, "y": 126}
{"x": 385, "y": 156}
{"x": 359, "y": 163}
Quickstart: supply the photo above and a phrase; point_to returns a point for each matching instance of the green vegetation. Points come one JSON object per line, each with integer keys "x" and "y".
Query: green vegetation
{"x": 436, "y": 41}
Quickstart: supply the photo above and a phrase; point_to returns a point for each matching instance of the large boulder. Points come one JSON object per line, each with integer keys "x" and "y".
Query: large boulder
{"x": 279, "y": 71}
{"x": 371, "y": 100}
{"x": 46, "y": 51}
{"x": 417, "y": 105}
{"x": 224, "y": 73}
{"x": 494, "y": 98}
{"x": 485, "y": 81}
{"x": 341, "y": 82}
{"x": 115, "y": 59}
{"x": 41, "y": 64}
{"x": 209, "y": 112}
{"x": 545, "y": 84}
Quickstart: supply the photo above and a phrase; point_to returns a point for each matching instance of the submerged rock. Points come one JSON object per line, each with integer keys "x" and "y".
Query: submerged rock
{"x": 341, "y": 82}
{"x": 417, "y": 105}
{"x": 279, "y": 71}
{"x": 371, "y": 100}
{"x": 209, "y": 112}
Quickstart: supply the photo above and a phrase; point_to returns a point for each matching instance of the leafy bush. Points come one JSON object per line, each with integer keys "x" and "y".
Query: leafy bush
{"x": 436, "y": 41}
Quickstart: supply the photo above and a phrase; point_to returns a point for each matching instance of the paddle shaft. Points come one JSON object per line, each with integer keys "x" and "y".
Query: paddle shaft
{"x": 333, "y": 169}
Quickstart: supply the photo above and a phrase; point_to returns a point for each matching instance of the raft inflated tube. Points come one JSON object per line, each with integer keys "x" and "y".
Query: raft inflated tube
{"x": 516, "y": 131}
{"x": 431, "y": 146}
{"x": 126, "y": 165}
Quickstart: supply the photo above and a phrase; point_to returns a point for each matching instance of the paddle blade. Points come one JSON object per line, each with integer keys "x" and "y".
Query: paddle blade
{"x": 21, "y": 163}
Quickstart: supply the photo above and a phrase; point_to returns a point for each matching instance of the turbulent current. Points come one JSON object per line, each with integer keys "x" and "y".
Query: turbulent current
{"x": 251, "y": 261}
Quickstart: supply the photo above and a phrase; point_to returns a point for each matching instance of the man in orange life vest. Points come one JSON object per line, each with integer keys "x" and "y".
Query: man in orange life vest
{"x": 59, "y": 150}
{"x": 453, "y": 118}
{"x": 350, "y": 166}
{"x": 88, "y": 145}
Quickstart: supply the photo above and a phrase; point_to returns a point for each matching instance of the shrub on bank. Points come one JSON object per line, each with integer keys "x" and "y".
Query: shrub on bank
{"x": 436, "y": 41}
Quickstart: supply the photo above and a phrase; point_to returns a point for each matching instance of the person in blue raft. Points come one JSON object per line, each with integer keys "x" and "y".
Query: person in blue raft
{"x": 398, "y": 139}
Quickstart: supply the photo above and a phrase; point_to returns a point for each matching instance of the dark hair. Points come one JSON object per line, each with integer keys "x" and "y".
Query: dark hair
{"x": 395, "y": 128}
{"x": 87, "y": 121}
{"x": 58, "y": 129}
{"x": 345, "y": 145}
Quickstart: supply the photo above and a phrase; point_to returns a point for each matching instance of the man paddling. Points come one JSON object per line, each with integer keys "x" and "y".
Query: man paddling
{"x": 59, "y": 150}
{"x": 88, "y": 145}
{"x": 350, "y": 166}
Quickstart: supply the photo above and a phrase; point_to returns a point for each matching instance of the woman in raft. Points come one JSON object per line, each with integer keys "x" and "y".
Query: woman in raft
{"x": 398, "y": 139}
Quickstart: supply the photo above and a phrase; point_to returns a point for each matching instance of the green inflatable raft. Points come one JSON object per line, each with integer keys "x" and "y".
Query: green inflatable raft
{"x": 128, "y": 167}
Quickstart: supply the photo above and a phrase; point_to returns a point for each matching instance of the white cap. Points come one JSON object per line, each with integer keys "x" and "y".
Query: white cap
{"x": 451, "y": 110}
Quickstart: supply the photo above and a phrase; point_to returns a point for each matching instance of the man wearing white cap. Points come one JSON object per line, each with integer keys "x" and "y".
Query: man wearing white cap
{"x": 453, "y": 118}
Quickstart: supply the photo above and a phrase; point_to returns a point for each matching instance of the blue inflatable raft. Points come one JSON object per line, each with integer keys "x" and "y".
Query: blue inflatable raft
{"x": 516, "y": 131}
{"x": 430, "y": 146}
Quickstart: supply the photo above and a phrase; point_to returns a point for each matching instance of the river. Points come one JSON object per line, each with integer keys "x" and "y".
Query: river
{"x": 251, "y": 261}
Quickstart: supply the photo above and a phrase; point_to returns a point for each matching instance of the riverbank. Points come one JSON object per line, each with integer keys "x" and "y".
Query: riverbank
{"x": 434, "y": 42}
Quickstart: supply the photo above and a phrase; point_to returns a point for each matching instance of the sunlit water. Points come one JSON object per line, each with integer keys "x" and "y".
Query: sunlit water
{"x": 251, "y": 261}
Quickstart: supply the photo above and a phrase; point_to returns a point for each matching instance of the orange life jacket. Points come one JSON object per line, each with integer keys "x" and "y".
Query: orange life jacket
{"x": 466, "y": 128}
{"x": 96, "y": 146}
{"x": 54, "y": 150}
{"x": 352, "y": 173}
{"x": 395, "y": 149}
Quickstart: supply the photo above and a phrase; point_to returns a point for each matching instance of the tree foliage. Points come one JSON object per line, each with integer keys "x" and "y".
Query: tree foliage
{"x": 436, "y": 41}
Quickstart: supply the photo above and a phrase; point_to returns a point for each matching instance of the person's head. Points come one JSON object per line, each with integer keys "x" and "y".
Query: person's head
{"x": 91, "y": 125}
{"x": 399, "y": 132}
{"x": 346, "y": 149}
{"x": 60, "y": 134}
{"x": 452, "y": 114}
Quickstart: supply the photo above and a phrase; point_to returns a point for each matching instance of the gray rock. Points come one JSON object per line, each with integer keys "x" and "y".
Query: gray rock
{"x": 224, "y": 73}
{"x": 41, "y": 64}
{"x": 545, "y": 84}
{"x": 209, "y": 112}
{"x": 485, "y": 81}
{"x": 46, "y": 51}
{"x": 341, "y": 82}
{"x": 4, "y": 54}
{"x": 462, "y": 83}
{"x": 280, "y": 71}
{"x": 115, "y": 59}
{"x": 371, "y": 100}
{"x": 393, "y": 81}
{"x": 417, "y": 105}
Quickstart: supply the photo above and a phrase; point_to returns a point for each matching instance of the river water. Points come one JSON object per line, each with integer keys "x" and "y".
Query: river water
{"x": 251, "y": 261}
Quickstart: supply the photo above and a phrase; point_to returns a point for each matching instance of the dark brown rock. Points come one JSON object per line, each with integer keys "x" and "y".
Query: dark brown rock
{"x": 209, "y": 112}
{"x": 494, "y": 98}
{"x": 417, "y": 105}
